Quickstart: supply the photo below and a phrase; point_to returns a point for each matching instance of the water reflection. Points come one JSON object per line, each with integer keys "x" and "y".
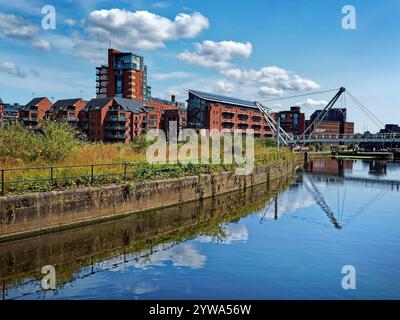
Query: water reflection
{"x": 140, "y": 240}
{"x": 284, "y": 240}
{"x": 378, "y": 167}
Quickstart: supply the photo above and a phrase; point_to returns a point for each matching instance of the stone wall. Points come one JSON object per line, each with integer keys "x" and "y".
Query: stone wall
{"x": 22, "y": 215}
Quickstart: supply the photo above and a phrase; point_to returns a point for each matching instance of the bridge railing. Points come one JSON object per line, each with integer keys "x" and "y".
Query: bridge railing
{"x": 323, "y": 136}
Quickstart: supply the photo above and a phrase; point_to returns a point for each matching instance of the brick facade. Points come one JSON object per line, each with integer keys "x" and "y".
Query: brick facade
{"x": 34, "y": 111}
{"x": 67, "y": 110}
{"x": 113, "y": 120}
{"x": 210, "y": 111}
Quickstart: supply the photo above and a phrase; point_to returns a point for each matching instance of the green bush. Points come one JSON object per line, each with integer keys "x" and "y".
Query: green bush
{"x": 140, "y": 143}
{"x": 53, "y": 143}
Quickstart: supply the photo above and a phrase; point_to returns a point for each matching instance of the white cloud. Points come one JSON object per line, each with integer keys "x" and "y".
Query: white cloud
{"x": 141, "y": 30}
{"x": 12, "y": 69}
{"x": 41, "y": 44}
{"x": 267, "y": 91}
{"x": 70, "y": 22}
{"x": 161, "y": 4}
{"x": 225, "y": 87}
{"x": 273, "y": 77}
{"x": 230, "y": 234}
{"x": 20, "y": 29}
{"x": 313, "y": 103}
{"x": 216, "y": 55}
{"x": 171, "y": 75}
{"x": 267, "y": 81}
{"x": 16, "y": 27}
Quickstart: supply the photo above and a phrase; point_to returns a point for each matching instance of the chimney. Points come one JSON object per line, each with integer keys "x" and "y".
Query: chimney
{"x": 173, "y": 98}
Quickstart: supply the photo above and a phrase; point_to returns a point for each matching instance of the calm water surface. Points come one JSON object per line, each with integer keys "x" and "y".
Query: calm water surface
{"x": 288, "y": 240}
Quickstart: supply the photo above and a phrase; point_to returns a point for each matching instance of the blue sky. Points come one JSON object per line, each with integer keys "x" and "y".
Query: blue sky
{"x": 256, "y": 50}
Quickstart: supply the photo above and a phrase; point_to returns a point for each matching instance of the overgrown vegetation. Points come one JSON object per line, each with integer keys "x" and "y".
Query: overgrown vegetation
{"x": 59, "y": 145}
{"x": 53, "y": 144}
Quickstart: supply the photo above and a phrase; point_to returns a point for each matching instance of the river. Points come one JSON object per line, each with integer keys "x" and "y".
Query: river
{"x": 286, "y": 240}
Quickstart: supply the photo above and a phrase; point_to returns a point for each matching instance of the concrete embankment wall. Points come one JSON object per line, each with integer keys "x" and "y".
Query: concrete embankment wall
{"x": 23, "y": 215}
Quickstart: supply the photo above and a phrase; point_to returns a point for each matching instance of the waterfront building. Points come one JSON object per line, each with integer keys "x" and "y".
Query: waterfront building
{"x": 292, "y": 121}
{"x": 391, "y": 128}
{"x": 67, "y": 110}
{"x": 113, "y": 119}
{"x": 125, "y": 76}
{"x": 213, "y": 111}
{"x": 156, "y": 106}
{"x": 34, "y": 111}
{"x": 10, "y": 113}
{"x": 334, "y": 122}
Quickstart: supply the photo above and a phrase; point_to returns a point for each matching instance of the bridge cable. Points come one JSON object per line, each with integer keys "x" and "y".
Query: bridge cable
{"x": 373, "y": 117}
{"x": 367, "y": 114}
{"x": 372, "y": 114}
{"x": 299, "y": 95}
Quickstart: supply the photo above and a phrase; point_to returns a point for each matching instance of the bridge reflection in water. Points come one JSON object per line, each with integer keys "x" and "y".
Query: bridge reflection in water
{"x": 316, "y": 195}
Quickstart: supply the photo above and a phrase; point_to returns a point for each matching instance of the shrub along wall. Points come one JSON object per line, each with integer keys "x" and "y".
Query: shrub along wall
{"x": 22, "y": 215}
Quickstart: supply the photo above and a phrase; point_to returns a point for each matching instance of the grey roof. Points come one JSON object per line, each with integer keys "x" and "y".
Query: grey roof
{"x": 130, "y": 105}
{"x": 62, "y": 105}
{"x": 126, "y": 104}
{"x": 96, "y": 104}
{"x": 1, "y": 101}
{"x": 223, "y": 99}
{"x": 34, "y": 102}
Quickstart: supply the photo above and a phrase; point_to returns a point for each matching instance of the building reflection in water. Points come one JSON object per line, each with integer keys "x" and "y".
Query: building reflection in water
{"x": 378, "y": 167}
{"x": 151, "y": 238}
{"x": 329, "y": 166}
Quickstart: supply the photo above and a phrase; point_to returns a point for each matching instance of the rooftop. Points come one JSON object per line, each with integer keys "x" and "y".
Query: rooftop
{"x": 62, "y": 105}
{"x": 126, "y": 104}
{"x": 223, "y": 99}
{"x": 34, "y": 102}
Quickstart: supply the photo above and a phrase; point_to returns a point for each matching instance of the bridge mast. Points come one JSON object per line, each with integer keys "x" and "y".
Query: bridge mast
{"x": 324, "y": 112}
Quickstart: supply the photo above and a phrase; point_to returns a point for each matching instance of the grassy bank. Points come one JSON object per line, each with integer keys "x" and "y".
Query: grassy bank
{"x": 59, "y": 145}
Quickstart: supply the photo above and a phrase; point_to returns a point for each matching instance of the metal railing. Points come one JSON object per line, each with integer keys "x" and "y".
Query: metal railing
{"x": 50, "y": 173}
{"x": 349, "y": 136}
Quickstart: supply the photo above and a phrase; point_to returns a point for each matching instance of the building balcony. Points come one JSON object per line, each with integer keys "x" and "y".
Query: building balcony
{"x": 243, "y": 117}
{"x": 116, "y": 128}
{"x": 242, "y": 126}
{"x": 116, "y": 119}
{"x": 256, "y": 118}
{"x": 256, "y": 127}
{"x": 227, "y": 115}
{"x": 27, "y": 119}
{"x": 227, "y": 125}
{"x": 116, "y": 136}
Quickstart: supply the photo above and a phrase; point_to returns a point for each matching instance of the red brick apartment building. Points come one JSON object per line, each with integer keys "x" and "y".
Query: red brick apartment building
{"x": 156, "y": 107}
{"x": 33, "y": 112}
{"x": 1, "y": 112}
{"x": 125, "y": 76}
{"x": 213, "y": 111}
{"x": 334, "y": 122}
{"x": 67, "y": 110}
{"x": 113, "y": 119}
{"x": 292, "y": 121}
